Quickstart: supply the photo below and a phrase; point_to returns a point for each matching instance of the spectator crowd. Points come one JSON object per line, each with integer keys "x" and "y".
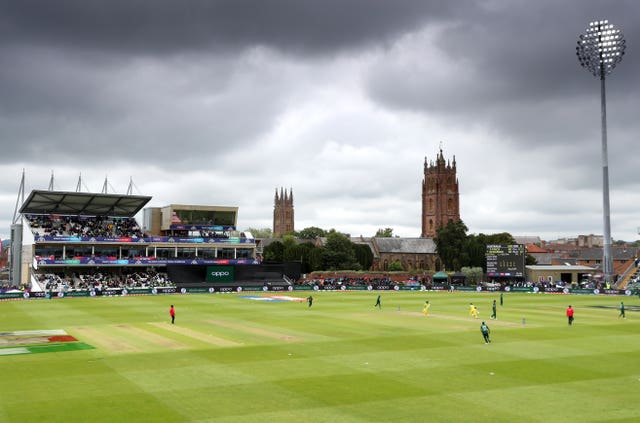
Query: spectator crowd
{"x": 60, "y": 282}
{"x": 81, "y": 226}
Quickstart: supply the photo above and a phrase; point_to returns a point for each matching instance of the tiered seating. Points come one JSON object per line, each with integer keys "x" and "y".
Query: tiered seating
{"x": 82, "y": 226}
{"x": 103, "y": 281}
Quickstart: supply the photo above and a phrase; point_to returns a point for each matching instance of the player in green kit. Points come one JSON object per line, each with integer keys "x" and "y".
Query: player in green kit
{"x": 485, "y": 332}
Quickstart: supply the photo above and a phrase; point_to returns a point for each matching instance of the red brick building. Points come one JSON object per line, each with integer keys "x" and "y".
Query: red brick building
{"x": 283, "y": 212}
{"x": 440, "y": 195}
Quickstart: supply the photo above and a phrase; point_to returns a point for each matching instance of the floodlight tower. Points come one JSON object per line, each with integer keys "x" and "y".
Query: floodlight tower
{"x": 599, "y": 50}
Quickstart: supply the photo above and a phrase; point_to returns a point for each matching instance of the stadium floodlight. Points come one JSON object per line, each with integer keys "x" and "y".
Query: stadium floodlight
{"x": 599, "y": 50}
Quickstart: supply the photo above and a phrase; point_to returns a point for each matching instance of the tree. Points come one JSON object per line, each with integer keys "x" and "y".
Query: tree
{"x": 384, "y": 233}
{"x": 312, "y": 232}
{"x": 274, "y": 251}
{"x": 476, "y": 251}
{"x": 364, "y": 255}
{"x": 450, "y": 242}
{"x": 312, "y": 258}
{"x": 339, "y": 253}
{"x": 395, "y": 266}
{"x": 260, "y": 233}
{"x": 503, "y": 238}
{"x": 473, "y": 275}
{"x": 290, "y": 251}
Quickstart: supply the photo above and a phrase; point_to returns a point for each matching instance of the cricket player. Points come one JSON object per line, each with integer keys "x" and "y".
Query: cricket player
{"x": 473, "y": 311}
{"x": 485, "y": 332}
{"x": 425, "y": 309}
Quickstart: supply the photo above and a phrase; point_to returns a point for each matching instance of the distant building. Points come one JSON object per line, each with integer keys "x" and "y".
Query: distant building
{"x": 551, "y": 274}
{"x": 528, "y": 239}
{"x": 574, "y": 254}
{"x": 588, "y": 241}
{"x": 283, "y": 212}
{"x": 412, "y": 253}
{"x": 4, "y": 253}
{"x": 440, "y": 195}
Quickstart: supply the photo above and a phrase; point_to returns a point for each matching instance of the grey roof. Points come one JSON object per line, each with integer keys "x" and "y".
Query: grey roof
{"x": 571, "y": 256}
{"x": 406, "y": 245}
{"x": 365, "y": 241}
{"x": 559, "y": 268}
{"x": 82, "y": 203}
{"x": 617, "y": 253}
{"x": 546, "y": 258}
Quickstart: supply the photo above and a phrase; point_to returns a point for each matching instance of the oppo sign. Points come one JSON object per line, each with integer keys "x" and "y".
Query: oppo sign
{"x": 220, "y": 274}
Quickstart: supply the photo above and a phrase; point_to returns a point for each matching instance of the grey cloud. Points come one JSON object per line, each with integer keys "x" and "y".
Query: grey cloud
{"x": 165, "y": 26}
{"x": 512, "y": 67}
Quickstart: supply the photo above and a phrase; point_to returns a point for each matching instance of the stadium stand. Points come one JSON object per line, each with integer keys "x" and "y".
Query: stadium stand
{"x": 76, "y": 240}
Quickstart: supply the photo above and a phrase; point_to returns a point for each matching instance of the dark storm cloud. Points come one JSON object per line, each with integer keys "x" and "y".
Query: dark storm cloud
{"x": 515, "y": 70}
{"x": 116, "y": 75}
{"x": 176, "y": 25}
{"x": 55, "y": 109}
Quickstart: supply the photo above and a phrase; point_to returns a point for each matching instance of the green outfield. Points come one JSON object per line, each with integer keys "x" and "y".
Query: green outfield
{"x": 235, "y": 359}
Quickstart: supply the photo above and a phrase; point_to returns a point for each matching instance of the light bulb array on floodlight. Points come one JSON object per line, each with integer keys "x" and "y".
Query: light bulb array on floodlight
{"x": 600, "y": 48}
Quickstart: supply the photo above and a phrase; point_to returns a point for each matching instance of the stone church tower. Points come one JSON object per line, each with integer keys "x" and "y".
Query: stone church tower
{"x": 283, "y": 212}
{"x": 440, "y": 196}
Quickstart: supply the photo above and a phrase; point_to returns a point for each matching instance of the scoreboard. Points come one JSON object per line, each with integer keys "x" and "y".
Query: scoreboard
{"x": 506, "y": 260}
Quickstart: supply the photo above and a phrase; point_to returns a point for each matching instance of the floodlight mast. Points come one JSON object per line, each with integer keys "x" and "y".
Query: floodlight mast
{"x": 599, "y": 50}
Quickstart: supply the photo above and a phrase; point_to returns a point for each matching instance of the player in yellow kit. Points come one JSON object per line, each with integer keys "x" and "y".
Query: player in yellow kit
{"x": 425, "y": 309}
{"x": 473, "y": 311}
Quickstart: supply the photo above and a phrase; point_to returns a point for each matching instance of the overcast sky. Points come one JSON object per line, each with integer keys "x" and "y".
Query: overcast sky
{"x": 223, "y": 102}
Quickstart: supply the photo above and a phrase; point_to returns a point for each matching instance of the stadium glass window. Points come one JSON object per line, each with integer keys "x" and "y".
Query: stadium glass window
{"x": 165, "y": 253}
{"x": 244, "y": 254}
{"x": 209, "y": 253}
{"x": 79, "y": 251}
{"x": 206, "y": 217}
{"x": 186, "y": 253}
{"x": 106, "y": 252}
{"x": 52, "y": 252}
{"x": 133, "y": 252}
{"x": 226, "y": 253}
